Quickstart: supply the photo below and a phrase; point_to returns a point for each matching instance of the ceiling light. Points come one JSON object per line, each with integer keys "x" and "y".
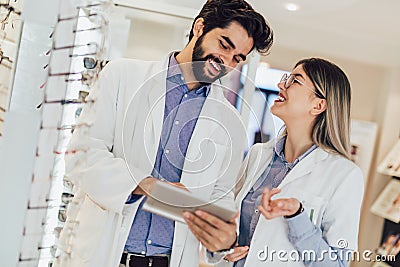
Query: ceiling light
{"x": 292, "y": 7}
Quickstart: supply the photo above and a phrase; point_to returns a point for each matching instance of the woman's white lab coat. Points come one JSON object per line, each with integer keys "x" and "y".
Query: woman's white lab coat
{"x": 329, "y": 186}
{"x": 119, "y": 150}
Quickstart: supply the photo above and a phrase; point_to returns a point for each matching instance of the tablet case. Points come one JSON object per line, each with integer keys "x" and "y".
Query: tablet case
{"x": 170, "y": 201}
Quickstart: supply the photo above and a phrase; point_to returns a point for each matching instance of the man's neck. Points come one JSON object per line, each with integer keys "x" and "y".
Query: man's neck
{"x": 184, "y": 59}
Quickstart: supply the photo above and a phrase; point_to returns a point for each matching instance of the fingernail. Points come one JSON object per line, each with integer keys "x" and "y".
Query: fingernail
{"x": 186, "y": 216}
{"x": 198, "y": 212}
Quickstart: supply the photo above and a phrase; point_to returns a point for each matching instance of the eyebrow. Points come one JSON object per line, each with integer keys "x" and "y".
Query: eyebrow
{"x": 298, "y": 75}
{"x": 226, "y": 38}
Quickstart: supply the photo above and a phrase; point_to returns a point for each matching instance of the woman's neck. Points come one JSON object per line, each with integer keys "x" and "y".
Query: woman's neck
{"x": 298, "y": 141}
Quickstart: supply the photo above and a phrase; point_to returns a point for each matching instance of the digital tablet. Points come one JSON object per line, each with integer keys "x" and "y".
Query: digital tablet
{"x": 170, "y": 201}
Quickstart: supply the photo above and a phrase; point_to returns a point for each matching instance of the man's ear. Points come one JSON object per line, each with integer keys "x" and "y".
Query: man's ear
{"x": 319, "y": 106}
{"x": 198, "y": 27}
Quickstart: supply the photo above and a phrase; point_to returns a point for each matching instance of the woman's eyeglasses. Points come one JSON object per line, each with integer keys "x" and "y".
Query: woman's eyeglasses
{"x": 289, "y": 79}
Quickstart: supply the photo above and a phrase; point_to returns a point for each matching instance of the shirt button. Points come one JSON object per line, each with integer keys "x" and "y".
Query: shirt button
{"x": 143, "y": 252}
{"x": 256, "y": 210}
{"x": 166, "y": 151}
{"x": 149, "y": 241}
{"x": 176, "y": 122}
{"x": 185, "y": 95}
{"x": 182, "y": 78}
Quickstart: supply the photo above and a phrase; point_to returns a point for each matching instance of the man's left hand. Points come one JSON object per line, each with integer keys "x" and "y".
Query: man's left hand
{"x": 212, "y": 232}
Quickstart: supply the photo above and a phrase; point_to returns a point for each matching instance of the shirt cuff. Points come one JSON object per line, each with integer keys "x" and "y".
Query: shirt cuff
{"x": 215, "y": 257}
{"x": 299, "y": 226}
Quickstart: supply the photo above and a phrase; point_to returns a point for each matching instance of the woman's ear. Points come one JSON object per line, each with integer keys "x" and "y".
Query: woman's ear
{"x": 198, "y": 27}
{"x": 319, "y": 106}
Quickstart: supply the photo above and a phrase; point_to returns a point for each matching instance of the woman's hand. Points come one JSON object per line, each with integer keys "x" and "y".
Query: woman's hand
{"x": 238, "y": 254}
{"x": 277, "y": 207}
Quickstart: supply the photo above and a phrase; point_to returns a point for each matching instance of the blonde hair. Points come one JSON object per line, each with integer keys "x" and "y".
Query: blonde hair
{"x": 331, "y": 130}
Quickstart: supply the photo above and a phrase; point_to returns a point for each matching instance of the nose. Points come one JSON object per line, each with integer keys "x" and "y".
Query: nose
{"x": 228, "y": 60}
{"x": 281, "y": 85}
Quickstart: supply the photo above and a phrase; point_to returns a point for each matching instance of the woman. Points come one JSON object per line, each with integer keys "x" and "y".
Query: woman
{"x": 303, "y": 182}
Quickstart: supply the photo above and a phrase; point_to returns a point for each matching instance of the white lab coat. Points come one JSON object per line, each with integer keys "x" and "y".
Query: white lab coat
{"x": 119, "y": 150}
{"x": 328, "y": 184}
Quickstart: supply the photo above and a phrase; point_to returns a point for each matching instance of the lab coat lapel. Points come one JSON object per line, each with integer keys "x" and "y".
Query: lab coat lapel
{"x": 255, "y": 169}
{"x": 156, "y": 85}
{"x": 305, "y": 166}
{"x": 202, "y": 133}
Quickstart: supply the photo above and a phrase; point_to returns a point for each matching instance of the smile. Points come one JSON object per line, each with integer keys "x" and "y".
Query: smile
{"x": 281, "y": 98}
{"x": 215, "y": 68}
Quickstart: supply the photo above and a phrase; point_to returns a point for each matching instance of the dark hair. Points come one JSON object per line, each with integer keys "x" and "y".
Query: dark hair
{"x": 221, "y": 13}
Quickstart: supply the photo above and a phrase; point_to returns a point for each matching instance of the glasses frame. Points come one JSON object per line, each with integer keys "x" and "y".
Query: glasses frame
{"x": 287, "y": 82}
{"x": 10, "y": 9}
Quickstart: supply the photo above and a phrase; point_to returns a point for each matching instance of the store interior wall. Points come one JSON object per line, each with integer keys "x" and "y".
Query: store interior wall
{"x": 152, "y": 40}
{"x": 376, "y": 95}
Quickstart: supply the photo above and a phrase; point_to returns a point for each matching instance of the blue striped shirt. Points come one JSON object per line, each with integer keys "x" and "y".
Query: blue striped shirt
{"x": 152, "y": 234}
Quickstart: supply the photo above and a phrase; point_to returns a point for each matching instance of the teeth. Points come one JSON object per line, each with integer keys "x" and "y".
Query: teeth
{"x": 215, "y": 65}
{"x": 281, "y": 98}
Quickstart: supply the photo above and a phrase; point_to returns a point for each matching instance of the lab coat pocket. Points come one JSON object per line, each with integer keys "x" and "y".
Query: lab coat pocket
{"x": 314, "y": 206}
{"x": 91, "y": 220}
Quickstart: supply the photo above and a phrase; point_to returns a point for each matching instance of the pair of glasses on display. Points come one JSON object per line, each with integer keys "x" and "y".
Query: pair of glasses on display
{"x": 5, "y": 60}
{"x": 100, "y": 23}
{"x": 91, "y": 63}
{"x": 63, "y": 152}
{"x": 86, "y": 76}
{"x": 5, "y": 12}
{"x": 91, "y": 46}
{"x": 65, "y": 126}
{"x": 289, "y": 79}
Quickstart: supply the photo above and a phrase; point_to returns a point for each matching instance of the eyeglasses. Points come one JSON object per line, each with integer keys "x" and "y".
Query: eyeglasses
{"x": 6, "y": 15}
{"x": 291, "y": 78}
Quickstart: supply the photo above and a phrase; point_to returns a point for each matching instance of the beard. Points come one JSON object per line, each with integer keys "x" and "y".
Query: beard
{"x": 199, "y": 64}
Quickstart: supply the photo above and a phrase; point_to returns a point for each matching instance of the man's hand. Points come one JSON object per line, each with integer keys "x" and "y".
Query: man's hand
{"x": 212, "y": 232}
{"x": 146, "y": 185}
{"x": 277, "y": 207}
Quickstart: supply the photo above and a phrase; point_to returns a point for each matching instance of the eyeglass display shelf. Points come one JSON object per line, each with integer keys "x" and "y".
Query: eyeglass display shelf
{"x": 391, "y": 164}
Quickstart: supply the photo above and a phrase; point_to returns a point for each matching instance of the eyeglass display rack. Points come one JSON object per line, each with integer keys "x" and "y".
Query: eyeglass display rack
{"x": 10, "y": 30}
{"x": 390, "y": 239}
{"x": 50, "y": 77}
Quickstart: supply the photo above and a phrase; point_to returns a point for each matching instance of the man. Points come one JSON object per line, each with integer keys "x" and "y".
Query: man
{"x": 159, "y": 121}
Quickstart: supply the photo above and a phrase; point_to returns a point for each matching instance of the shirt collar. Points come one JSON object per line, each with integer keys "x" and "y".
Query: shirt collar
{"x": 174, "y": 75}
{"x": 280, "y": 145}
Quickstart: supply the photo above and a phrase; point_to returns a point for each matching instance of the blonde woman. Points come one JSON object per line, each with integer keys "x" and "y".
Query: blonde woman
{"x": 303, "y": 183}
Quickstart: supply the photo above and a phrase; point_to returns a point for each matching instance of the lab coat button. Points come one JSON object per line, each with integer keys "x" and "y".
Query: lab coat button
{"x": 176, "y": 122}
{"x": 143, "y": 252}
{"x": 166, "y": 151}
{"x": 149, "y": 241}
{"x": 185, "y": 95}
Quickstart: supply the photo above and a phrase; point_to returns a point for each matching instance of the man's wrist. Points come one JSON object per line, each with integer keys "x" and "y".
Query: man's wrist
{"x": 230, "y": 249}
